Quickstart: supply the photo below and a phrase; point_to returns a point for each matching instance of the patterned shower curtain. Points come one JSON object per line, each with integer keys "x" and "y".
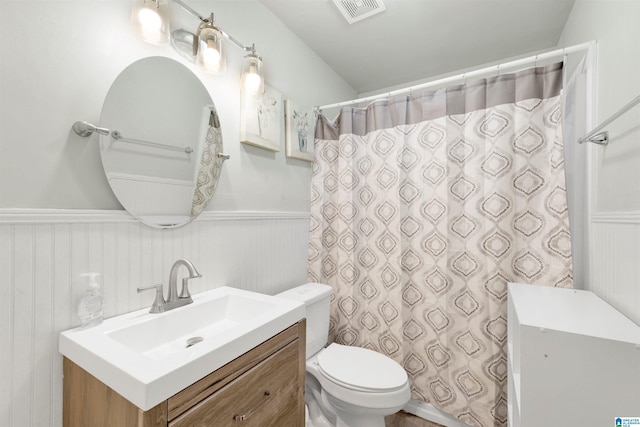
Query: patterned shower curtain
{"x": 423, "y": 208}
{"x": 210, "y": 165}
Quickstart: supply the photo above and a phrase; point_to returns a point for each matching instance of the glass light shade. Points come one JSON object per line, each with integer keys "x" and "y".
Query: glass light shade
{"x": 252, "y": 78}
{"x": 151, "y": 21}
{"x": 210, "y": 56}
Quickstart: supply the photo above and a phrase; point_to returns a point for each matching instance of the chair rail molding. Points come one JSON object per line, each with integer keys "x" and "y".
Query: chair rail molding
{"x": 616, "y": 217}
{"x": 70, "y": 216}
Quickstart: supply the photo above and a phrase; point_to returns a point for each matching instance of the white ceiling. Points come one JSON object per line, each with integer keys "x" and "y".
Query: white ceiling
{"x": 417, "y": 39}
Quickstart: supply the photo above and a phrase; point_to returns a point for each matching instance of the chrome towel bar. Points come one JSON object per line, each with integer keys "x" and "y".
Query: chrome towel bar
{"x": 602, "y": 138}
{"x": 85, "y": 129}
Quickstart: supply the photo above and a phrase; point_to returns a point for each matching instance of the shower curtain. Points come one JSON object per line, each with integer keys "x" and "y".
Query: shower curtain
{"x": 423, "y": 208}
{"x": 210, "y": 165}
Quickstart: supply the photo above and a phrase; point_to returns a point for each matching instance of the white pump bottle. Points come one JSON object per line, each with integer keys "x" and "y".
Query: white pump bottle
{"x": 90, "y": 307}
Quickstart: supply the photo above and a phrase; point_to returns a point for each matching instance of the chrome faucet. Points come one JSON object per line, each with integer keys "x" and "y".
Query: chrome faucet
{"x": 185, "y": 296}
{"x": 173, "y": 300}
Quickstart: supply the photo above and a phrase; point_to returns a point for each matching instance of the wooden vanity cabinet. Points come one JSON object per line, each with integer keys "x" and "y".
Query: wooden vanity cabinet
{"x": 263, "y": 387}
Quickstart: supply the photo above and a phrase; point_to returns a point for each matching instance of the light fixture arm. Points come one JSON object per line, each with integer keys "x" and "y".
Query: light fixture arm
{"x": 207, "y": 23}
{"x": 209, "y": 20}
{"x": 237, "y": 42}
{"x": 155, "y": 2}
{"x": 189, "y": 10}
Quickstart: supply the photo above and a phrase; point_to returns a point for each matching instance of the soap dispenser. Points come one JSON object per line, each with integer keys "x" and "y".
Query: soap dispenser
{"x": 90, "y": 308}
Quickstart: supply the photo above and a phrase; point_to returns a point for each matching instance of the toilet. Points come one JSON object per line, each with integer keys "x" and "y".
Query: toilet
{"x": 345, "y": 386}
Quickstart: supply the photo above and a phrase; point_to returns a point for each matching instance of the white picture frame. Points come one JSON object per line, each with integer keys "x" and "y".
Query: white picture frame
{"x": 260, "y": 119}
{"x": 299, "y": 122}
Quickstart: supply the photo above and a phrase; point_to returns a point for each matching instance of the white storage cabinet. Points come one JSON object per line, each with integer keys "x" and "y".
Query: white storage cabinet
{"x": 573, "y": 360}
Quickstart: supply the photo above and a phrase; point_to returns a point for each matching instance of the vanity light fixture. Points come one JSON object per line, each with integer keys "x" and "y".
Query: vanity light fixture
{"x": 252, "y": 80}
{"x": 205, "y": 46}
{"x": 209, "y": 49}
{"x": 151, "y": 21}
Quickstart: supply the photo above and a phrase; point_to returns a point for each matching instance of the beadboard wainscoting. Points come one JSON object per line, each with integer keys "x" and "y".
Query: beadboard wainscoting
{"x": 43, "y": 253}
{"x": 615, "y": 261}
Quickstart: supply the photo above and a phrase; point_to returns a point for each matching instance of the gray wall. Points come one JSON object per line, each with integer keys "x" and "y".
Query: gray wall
{"x": 614, "y": 24}
{"x": 612, "y": 174}
{"x": 58, "y": 61}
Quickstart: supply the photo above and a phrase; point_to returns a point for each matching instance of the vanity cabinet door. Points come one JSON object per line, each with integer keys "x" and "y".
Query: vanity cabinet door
{"x": 89, "y": 402}
{"x": 266, "y": 395}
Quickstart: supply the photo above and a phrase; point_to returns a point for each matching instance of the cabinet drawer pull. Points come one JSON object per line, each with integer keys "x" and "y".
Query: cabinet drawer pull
{"x": 244, "y": 417}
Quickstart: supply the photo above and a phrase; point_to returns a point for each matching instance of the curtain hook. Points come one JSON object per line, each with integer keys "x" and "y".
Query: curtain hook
{"x": 498, "y": 69}
{"x": 464, "y": 79}
{"x": 535, "y": 62}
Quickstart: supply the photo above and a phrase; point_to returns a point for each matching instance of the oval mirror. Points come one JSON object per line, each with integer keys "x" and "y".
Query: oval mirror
{"x": 163, "y": 153}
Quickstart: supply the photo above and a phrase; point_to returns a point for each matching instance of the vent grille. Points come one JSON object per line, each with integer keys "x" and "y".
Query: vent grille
{"x": 357, "y": 10}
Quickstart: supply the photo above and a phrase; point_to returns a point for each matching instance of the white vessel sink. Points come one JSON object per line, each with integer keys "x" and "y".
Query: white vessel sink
{"x": 147, "y": 357}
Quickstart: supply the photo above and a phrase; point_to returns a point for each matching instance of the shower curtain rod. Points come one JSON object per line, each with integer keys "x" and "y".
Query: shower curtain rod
{"x": 518, "y": 63}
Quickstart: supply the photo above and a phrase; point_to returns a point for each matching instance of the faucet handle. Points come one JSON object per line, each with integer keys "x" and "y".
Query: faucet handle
{"x": 158, "y": 302}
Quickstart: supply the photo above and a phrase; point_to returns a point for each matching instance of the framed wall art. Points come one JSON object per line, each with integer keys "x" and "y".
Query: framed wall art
{"x": 299, "y": 122}
{"x": 260, "y": 119}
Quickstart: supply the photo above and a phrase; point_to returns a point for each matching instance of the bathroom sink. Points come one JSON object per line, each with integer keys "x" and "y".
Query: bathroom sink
{"x": 161, "y": 336}
{"x": 149, "y": 357}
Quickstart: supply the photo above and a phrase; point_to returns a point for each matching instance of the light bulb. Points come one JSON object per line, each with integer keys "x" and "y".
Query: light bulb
{"x": 211, "y": 56}
{"x": 150, "y": 19}
{"x": 252, "y": 82}
{"x": 151, "y": 24}
{"x": 252, "y": 78}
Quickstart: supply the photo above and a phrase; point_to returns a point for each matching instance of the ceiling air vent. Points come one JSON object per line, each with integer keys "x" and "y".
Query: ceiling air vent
{"x": 357, "y": 10}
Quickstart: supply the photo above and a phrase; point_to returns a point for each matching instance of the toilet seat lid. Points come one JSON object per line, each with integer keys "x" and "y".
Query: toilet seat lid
{"x": 361, "y": 368}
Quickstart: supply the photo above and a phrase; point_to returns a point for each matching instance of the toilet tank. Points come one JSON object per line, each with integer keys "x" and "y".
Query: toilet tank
{"x": 316, "y": 297}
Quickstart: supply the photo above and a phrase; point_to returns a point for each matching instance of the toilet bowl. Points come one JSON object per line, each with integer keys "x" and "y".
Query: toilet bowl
{"x": 345, "y": 386}
{"x": 361, "y": 386}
